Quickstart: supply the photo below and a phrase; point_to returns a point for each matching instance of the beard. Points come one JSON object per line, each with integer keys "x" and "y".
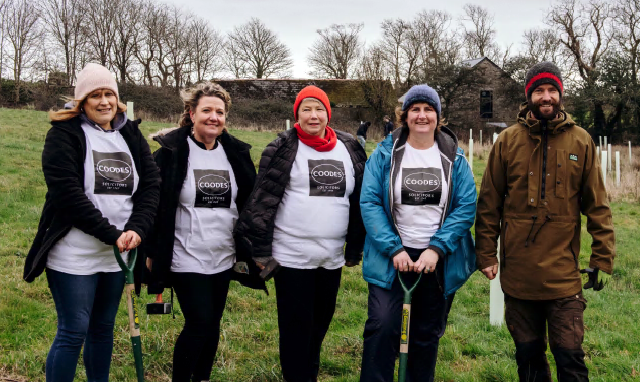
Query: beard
{"x": 556, "y": 107}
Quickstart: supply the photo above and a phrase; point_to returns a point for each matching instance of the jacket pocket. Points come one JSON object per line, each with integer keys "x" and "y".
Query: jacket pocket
{"x": 561, "y": 171}
{"x": 544, "y": 266}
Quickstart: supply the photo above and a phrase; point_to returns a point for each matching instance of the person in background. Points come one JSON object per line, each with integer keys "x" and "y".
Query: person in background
{"x": 418, "y": 204}
{"x": 305, "y": 205}
{"x": 361, "y": 134}
{"x": 102, "y": 191}
{"x": 542, "y": 173}
{"x": 388, "y": 125}
{"x": 207, "y": 176}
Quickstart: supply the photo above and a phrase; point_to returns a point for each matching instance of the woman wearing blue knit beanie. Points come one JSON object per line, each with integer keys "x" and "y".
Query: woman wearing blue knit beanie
{"x": 418, "y": 203}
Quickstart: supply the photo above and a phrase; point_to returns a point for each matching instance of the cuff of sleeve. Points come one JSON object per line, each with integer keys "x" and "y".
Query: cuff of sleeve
{"x": 606, "y": 268}
{"x": 397, "y": 251}
{"x": 437, "y": 250}
{"x": 136, "y": 230}
{"x": 113, "y": 236}
{"x": 352, "y": 255}
{"x": 263, "y": 260}
{"x": 487, "y": 263}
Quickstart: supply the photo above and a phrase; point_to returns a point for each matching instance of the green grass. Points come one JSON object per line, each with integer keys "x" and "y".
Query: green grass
{"x": 471, "y": 350}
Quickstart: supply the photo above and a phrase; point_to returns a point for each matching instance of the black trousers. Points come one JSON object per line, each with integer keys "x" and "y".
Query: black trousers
{"x": 306, "y": 300}
{"x": 528, "y": 322}
{"x": 429, "y": 312}
{"x": 202, "y": 299}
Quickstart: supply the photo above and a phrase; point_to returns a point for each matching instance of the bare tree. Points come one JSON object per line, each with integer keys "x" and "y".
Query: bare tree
{"x": 126, "y": 26}
{"x": 336, "y": 52}
{"x": 146, "y": 45}
{"x": 233, "y": 59}
{"x": 440, "y": 45}
{"x": 374, "y": 74}
{"x": 479, "y": 33}
{"x": 585, "y": 34}
{"x": 543, "y": 45}
{"x": 627, "y": 35}
{"x": 4, "y": 5}
{"x": 263, "y": 53}
{"x": 98, "y": 27}
{"x": 158, "y": 33}
{"x": 206, "y": 49}
{"x": 394, "y": 37}
{"x": 412, "y": 48}
{"x": 24, "y": 35}
{"x": 176, "y": 42}
{"x": 63, "y": 19}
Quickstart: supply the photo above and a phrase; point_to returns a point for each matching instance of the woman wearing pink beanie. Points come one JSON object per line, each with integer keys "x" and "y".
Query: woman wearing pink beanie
{"x": 102, "y": 190}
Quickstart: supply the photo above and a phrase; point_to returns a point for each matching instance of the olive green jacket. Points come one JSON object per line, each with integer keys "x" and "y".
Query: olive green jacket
{"x": 540, "y": 177}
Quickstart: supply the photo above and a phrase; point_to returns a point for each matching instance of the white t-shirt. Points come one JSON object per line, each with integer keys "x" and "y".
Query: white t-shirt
{"x": 419, "y": 195}
{"x": 206, "y": 214}
{"x": 110, "y": 180}
{"x": 313, "y": 216}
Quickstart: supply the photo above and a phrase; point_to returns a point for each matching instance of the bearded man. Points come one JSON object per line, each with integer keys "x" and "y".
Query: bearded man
{"x": 542, "y": 173}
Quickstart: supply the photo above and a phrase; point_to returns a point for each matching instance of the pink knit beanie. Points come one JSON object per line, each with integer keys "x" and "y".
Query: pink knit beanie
{"x": 93, "y": 77}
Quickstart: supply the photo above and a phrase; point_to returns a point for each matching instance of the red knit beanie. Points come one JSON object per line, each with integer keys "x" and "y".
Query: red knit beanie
{"x": 312, "y": 92}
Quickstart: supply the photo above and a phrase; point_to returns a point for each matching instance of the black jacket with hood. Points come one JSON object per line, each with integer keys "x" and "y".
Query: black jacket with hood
{"x": 254, "y": 229}
{"x": 173, "y": 159}
{"x": 66, "y": 205}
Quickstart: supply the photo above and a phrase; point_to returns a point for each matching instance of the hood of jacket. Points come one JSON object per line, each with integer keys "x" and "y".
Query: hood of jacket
{"x": 558, "y": 125}
{"x": 446, "y": 139}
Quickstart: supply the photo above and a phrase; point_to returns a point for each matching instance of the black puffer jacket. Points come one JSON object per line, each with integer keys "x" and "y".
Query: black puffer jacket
{"x": 172, "y": 158}
{"x": 254, "y": 229}
{"x": 66, "y": 205}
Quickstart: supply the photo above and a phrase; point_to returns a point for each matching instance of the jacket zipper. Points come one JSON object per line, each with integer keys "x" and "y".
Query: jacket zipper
{"x": 446, "y": 202}
{"x": 544, "y": 158}
{"x": 393, "y": 217}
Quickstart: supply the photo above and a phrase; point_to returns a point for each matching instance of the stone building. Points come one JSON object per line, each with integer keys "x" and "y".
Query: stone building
{"x": 485, "y": 102}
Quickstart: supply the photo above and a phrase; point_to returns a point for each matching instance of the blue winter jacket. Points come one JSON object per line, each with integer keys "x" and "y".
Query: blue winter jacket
{"x": 453, "y": 241}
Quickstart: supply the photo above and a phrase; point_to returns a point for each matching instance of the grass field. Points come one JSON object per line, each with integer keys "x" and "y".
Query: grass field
{"x": 471, "y": 350}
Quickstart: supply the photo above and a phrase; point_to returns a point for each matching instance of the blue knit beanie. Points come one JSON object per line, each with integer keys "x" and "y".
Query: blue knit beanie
{"x": 422, "y": 93}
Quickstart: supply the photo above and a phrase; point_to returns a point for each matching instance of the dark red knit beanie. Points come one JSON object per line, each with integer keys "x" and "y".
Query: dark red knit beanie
{"x": 543, "y": 73}
{"x": 312, "y": 92}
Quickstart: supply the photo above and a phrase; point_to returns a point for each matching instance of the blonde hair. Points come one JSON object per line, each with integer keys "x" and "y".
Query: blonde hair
{"x": 401, "y": 119}
{"x": 191, "y": 97}
{"x": 67, "y": 114}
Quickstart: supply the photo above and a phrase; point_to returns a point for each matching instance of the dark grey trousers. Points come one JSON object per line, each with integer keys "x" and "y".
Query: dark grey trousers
{"x": 429, "y": 312}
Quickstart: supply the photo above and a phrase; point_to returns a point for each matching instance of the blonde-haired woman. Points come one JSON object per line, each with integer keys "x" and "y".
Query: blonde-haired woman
{"x": 207, "y": 175}
{"x": 102, "y": 190}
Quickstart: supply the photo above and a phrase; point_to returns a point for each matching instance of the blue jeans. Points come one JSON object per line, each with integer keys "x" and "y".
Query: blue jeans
{"x": 362, "y": 141}
{"x": 86, "y": 307}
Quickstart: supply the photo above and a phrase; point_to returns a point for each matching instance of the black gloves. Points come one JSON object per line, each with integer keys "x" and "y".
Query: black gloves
{"x": 596, "y": 279}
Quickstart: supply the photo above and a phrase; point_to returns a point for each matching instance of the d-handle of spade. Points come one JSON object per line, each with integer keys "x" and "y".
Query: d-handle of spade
{"x": 404, "y": 330}
{"x": 132, "y": 308}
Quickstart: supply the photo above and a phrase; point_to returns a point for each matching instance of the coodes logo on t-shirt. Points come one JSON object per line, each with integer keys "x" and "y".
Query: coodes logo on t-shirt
{"x": 213, "y": 188}
{"x": 421, "y": 186}
{"x": 113, "y": 173}
{"x": 327, "y": 178}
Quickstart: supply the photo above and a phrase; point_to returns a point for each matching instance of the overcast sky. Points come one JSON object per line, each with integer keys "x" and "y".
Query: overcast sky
{"x": 296, "y": 21}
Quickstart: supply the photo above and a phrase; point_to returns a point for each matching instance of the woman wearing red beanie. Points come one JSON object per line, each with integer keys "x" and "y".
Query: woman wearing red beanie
{"x": 305, "y": 205}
